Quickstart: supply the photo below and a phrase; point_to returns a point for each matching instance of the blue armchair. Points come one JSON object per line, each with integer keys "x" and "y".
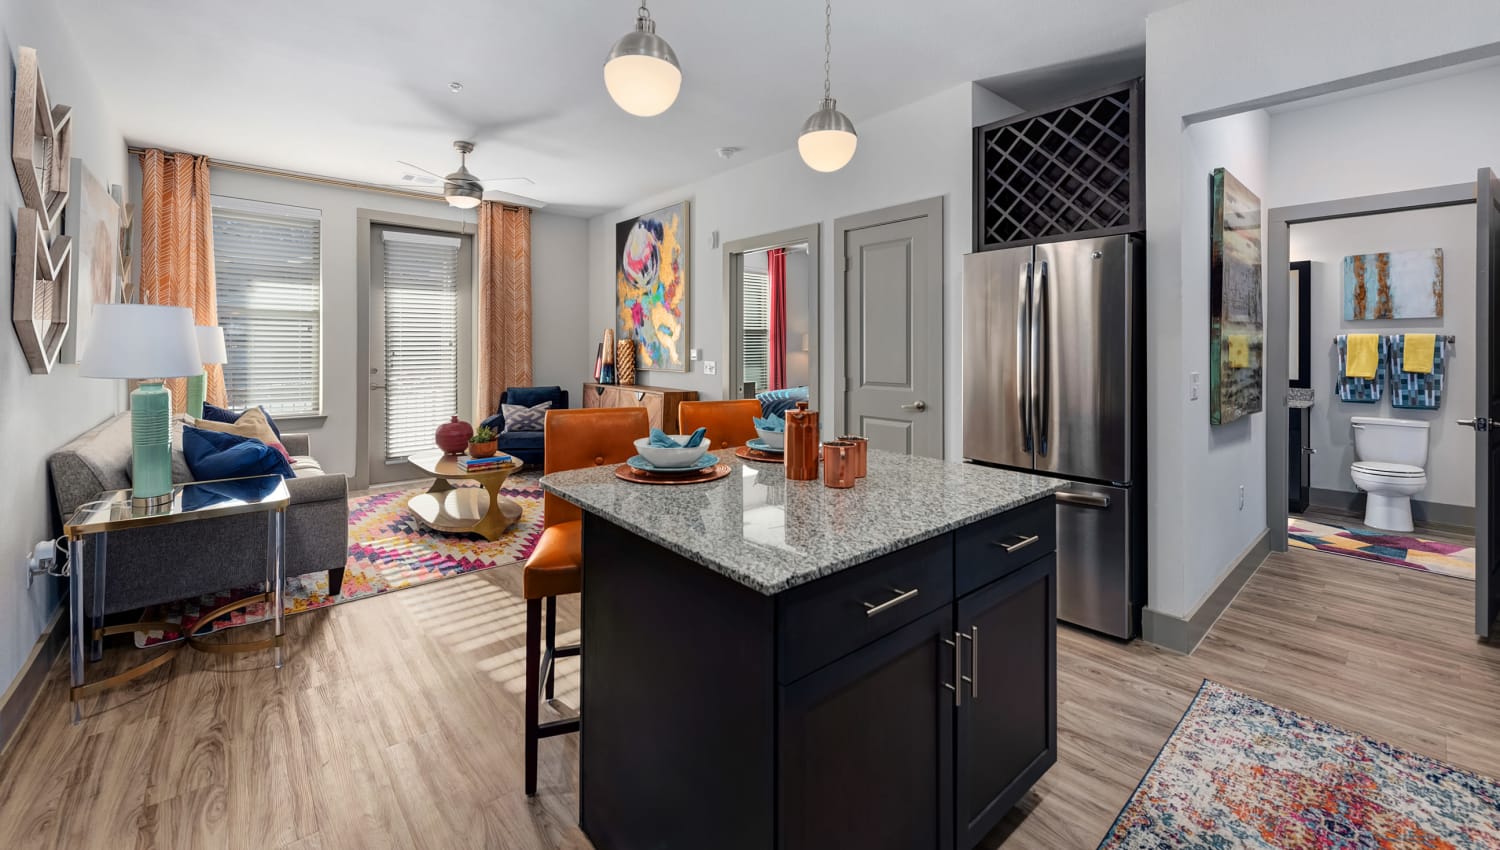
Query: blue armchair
{"x": 528, "y": 446}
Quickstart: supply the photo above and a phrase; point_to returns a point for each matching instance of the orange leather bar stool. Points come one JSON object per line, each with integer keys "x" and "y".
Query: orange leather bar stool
{"x": 729, "y": 423}
{"x": 575, "y": 439}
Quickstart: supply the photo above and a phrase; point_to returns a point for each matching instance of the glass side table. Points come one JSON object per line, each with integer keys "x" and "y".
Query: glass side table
{"x": 88, "y": 533}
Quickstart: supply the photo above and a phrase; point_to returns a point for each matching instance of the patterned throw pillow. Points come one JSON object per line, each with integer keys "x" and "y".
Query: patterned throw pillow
{"x": 521, "y": 418}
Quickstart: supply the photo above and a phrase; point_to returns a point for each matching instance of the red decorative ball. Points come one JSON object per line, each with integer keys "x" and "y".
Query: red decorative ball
{"x": 453, "y": 436}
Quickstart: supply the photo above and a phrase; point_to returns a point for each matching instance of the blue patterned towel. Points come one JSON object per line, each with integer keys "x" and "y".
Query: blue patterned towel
{"x": 1360, "y": 390}
{"x": 1413, "y": 391}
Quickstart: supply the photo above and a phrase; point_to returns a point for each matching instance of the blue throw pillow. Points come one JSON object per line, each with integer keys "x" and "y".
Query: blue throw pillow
{"x": 213, "y": 455}
{"x": 778, "y": 402}
{"x": 214, "y": 413}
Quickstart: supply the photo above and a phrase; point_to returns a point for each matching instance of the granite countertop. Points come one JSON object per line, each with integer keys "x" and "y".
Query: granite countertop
{"x": 770, "y": 534}
{"x": 1299, "y": 397}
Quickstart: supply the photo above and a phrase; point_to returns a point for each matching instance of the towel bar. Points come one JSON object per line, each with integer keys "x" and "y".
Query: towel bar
{"x": 1448, "y": 338}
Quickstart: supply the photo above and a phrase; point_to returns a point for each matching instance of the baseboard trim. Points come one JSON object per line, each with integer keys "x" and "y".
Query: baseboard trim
{"x": 1184, "y": 635}
{"x": 1455, "y": 517}
{"x": 22, "y": 693}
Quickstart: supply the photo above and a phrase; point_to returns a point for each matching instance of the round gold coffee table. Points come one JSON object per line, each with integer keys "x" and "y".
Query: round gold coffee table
{"x": 473, "y": 510}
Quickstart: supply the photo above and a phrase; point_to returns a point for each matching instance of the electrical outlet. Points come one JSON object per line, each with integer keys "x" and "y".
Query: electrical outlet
{"x": 1242, "y": 497}
{"x": 1192, "y": 386}
{"x": 710, "y": 367}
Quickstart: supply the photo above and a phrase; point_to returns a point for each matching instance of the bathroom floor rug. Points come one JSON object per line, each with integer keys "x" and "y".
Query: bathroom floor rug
{"x": 1386, "y": 547}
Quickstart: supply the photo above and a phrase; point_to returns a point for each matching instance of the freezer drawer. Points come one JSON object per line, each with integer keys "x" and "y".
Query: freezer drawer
{"x": 1100, "y": 559}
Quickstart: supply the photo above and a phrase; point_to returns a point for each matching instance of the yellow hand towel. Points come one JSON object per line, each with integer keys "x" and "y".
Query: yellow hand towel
{"x": 1239, "y": 351}
{"x": 1418, "y": 353}
{"x": 1362, "y": 356}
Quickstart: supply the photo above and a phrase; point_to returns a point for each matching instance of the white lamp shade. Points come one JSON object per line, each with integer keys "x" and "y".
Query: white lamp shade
{"x": 140, "y": 341}
{"x": 211, "y": 344}
{"x": 642, "y": 85}
{"x": 827, "y": 150}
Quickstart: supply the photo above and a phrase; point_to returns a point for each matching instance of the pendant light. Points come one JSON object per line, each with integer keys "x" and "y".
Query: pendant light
{"x": 641, "y": 72}
{"x": 828, "y": 139}
{"x": 462, "y": 189}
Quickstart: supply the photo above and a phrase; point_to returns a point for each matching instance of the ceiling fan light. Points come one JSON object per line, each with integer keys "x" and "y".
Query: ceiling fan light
{"x": 828, "y": 139}
{"x": 641, "y": 72}
{"x": 463, "y": 195}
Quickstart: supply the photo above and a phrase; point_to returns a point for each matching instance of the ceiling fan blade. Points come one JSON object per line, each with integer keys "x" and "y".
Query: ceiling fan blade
{"x": 419, "y": 168}
{"x": 527, "y": 180}
{"x": 512, "y": 198}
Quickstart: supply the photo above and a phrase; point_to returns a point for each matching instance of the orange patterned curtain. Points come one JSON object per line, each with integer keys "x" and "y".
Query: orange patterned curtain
{"x": 504, "y": 302}
{"x": 177, "y": 248}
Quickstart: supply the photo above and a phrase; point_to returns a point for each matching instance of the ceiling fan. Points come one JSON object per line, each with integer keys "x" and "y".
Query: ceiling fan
{"x": 462, "y": 189}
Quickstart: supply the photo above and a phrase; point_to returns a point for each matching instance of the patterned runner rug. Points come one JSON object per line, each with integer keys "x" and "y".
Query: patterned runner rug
{"x": 388, "y": 550}
{"x": 1241, "y": 773}
{"x": 1387, "y": 547}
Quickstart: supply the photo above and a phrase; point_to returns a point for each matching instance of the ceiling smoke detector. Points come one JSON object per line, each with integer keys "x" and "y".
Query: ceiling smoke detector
{"x": 727, "y": 152}
{"x": 455, "y": 87}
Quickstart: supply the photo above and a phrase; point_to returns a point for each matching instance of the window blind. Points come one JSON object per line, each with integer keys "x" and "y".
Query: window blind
{"x": 755, "y": 295}
{"x": 268, "y": 280}
{"x": 421, "y": 338}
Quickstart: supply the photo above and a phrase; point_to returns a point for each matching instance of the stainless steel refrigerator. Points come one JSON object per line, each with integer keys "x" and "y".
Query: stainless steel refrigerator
{"x": 1054, "y": 381}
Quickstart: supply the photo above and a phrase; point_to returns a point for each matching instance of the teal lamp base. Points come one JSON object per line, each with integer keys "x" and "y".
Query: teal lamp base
{"x": 151, "y": 434}
{"x": 197, "y": 389}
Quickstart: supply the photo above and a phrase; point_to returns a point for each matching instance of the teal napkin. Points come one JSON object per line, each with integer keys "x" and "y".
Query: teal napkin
{"x": 770, "y": 423}
{"x": 660, "y": 440}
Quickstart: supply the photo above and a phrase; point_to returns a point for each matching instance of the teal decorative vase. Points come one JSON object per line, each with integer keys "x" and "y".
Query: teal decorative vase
{"x": 197, "y": 389}
{"x": 151, "y": 433}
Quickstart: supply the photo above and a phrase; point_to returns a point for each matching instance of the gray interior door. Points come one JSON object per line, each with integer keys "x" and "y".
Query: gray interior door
{"x": 893, "y": 330}
{"x": 1487, "y": 477}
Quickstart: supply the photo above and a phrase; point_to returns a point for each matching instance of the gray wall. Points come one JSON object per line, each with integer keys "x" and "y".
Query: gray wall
{"x": 1450, "y": 465}
{"x": 40, "y": 412}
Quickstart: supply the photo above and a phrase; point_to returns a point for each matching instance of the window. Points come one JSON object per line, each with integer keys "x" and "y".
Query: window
{"x": 755, "y": 294}
{"x": 268, "y": 276}
{"x": 421, "y": 296}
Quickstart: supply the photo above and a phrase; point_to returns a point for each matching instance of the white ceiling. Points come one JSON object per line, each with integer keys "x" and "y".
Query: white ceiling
{"x": 344, "y": 88}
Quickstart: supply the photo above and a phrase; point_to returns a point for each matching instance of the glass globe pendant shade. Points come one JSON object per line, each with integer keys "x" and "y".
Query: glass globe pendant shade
{"x": 641, "y": 72}
{"x": 828, "y": 139}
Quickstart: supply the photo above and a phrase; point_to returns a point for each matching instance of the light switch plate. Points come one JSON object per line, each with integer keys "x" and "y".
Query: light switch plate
{"x": 1192, "y": 386}
{"x": 694, "y": 354}
{"x": 710, "y": 367}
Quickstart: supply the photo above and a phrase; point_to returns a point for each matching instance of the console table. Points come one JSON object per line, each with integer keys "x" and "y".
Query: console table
{"x": 660, "y": 402}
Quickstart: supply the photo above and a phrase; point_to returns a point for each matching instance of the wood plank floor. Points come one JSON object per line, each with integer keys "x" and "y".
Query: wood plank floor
{"x": 396, "y": 721}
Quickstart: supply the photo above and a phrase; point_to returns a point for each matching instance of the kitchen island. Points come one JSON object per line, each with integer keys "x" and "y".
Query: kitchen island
{"x": 777, "y": 664}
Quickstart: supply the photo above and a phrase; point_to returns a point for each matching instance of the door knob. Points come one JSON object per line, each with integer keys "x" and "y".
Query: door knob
{"x": 916, "y": 405}
{"x": 1478, "y": 423}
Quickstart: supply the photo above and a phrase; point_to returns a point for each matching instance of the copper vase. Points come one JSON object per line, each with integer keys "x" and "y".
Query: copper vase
{"x": 801, "y": 443}
{"x": 839, "y": 459}
{"x": 861, "y": 453}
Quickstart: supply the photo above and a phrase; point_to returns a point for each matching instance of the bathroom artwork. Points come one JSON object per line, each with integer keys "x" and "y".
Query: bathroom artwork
{"x": 1236, "y": 327}
{"x": 1394, "y": 285}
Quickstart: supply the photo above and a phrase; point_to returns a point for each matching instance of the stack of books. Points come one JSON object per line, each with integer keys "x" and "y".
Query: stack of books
{"x": 467, "y": 463}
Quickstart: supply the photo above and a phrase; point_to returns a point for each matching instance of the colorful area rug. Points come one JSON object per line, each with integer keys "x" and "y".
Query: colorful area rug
{"x": 1387, "y": 547}
{"x": 388, "y": 550}
{"x": 1241, "y": 773}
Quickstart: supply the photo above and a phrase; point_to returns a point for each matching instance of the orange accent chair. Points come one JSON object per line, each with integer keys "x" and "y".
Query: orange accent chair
{"x": 730, "y": 423}
{"x": 575, "y": 439}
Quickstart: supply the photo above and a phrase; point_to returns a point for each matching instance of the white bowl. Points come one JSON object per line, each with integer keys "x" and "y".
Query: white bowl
{"x": 774, "y": 439}
{"x": 672, "y": 458}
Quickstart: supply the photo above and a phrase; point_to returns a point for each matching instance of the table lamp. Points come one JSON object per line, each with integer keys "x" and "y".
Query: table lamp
{"x": 210, "y": 351}
{"x": 145, "y": 342}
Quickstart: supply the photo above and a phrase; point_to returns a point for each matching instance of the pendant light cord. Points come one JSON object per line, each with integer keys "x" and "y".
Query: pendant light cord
{"x": 827, "y": 48}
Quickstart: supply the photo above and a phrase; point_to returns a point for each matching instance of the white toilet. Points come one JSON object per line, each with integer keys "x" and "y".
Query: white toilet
{"x": 1392, "y": 456}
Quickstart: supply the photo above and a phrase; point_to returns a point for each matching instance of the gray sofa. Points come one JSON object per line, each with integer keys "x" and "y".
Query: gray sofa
{"x": 150, "y": 566}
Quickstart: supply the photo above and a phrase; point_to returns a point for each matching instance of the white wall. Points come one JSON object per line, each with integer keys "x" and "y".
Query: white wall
{"x": 918, "y": 151}
{"x": 38, "y": 413}
{"x": 1209, "y": 55}
{"x": 798, "y": 291}
{"x": 1450, "y": 463}
{"x": 559, "y": 262}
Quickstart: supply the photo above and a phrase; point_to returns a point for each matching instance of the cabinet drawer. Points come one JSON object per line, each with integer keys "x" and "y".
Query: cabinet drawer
{"x": 834, "y": 616}
{"x": 995, "y": 547}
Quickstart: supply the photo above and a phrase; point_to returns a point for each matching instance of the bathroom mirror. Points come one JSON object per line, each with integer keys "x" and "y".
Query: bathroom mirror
{"x": 771, "y": 307}
{"x": 1299, "y": 341}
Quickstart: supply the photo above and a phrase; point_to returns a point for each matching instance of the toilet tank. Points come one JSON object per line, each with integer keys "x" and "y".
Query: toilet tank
{"x": 1391, "y": 440}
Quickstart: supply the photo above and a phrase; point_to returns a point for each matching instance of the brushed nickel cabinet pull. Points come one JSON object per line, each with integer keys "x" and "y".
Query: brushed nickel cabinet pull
{"x": 973, "y": 677}
{"x": 871, "y": 609}
{"x": 958, "y": 667}
{"x": 1019, "y": 544}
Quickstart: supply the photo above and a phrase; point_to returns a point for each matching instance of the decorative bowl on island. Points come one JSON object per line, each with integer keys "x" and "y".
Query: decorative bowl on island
{"x": 774, "y": 439}
{"x": 676, "y": 458}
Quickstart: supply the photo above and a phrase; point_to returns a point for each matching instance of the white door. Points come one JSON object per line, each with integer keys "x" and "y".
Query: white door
{"x": 893, "y": 327}
{"x": 420, "y": 343}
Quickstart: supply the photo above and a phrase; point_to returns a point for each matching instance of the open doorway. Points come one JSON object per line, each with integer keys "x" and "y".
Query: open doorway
{"x": 771, "y": 321}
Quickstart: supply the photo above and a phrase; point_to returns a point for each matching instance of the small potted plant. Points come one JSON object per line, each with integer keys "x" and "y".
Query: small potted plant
{"x": 483, "y": 443}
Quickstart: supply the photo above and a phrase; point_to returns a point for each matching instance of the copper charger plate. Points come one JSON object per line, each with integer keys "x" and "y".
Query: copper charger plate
{"x": 626, "y": 472}
{"x": 748, "y": 453}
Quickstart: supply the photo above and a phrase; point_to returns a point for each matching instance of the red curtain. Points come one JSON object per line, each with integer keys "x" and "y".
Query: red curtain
{"x": 776, "y": 264}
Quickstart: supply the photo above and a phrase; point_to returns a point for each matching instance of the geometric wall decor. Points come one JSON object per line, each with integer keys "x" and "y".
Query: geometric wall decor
{"x": 40, "y": 151}
{"x": 43, "y": 293}
{"x": 1394, "y": 285}
{"x": 1236, "y": 329}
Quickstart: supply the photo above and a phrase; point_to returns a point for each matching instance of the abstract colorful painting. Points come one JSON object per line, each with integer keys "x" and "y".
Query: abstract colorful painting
{"x": 1394, "y": 285}
{"x": 651, "y": 287}
{"x": 1236, "y": 330}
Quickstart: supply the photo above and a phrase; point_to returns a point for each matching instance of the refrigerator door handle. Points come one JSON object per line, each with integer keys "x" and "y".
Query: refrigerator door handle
{"x": 1023, "y": 355}
{"x": 1083, "y": 500}
{"x": 1040, "y": 384}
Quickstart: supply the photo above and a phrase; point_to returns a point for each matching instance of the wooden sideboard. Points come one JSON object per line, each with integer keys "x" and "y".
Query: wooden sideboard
{"x": 660, "y": 402}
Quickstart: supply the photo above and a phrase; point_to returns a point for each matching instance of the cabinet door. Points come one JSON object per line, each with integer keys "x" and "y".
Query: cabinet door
{"x": 867, "y": 746}
{"x": 1007, "y": 719}
{"x": 595, "y": 395}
